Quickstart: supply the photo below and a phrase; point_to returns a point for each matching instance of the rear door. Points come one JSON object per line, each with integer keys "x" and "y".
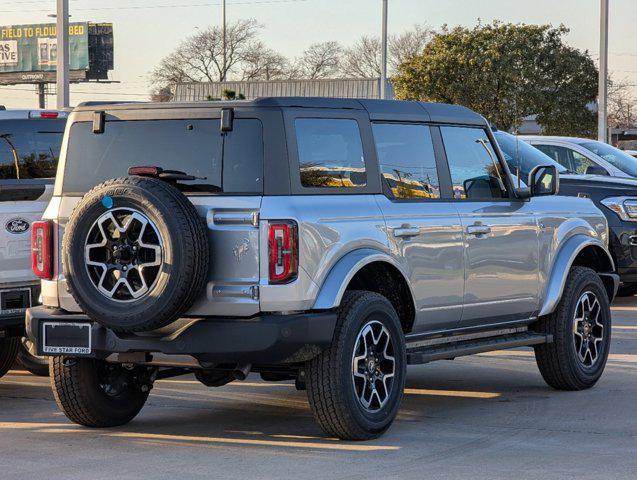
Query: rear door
{"x": 227, "y": 191}
{"x": 500, "y": 232}
{"x": 423, "y": 229}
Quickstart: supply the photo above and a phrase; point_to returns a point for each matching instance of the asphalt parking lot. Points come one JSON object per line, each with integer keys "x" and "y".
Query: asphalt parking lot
{"x": 485, "y": 417}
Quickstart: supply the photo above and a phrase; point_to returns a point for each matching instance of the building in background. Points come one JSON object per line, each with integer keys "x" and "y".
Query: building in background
{"x": 336, "y": 88}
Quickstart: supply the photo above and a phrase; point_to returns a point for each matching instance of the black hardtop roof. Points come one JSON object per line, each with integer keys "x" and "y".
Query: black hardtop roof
{"x": 377, "y": 109}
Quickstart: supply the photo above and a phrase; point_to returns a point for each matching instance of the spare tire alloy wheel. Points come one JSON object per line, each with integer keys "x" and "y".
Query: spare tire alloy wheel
{"x": 135, "y": 254}
{"x": 123, "y": 254}
{"x": 373, "y": 366}
{"x": 588, "y": 330}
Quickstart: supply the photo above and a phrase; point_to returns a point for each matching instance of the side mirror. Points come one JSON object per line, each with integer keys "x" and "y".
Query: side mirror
{"x": 596, "y": 170}
{"x": 544, "y": 180}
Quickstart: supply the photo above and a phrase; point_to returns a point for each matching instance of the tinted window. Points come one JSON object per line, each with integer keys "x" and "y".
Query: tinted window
{"x": 520, "y": 155}
{"x": 617, "y": 158}
{"x": 407, "y": 161}
{"x": 475, "y": 171}
{"x": 33, "y": 144}
{"x": 191, "y": 146}
{"x": 330, "y": 153}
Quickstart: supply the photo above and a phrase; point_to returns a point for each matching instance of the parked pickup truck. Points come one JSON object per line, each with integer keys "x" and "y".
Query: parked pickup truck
{"x": 30, "y": 143}
{"x": 331, "y": 242}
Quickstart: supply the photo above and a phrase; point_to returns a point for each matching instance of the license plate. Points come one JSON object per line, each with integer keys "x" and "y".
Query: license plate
{"x": 66, "y": 338}
{"x": 13, "y": 302}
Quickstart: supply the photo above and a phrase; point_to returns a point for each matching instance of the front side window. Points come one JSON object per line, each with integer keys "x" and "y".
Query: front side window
{"x": 30, "y": 148}
{"x": 330, "y": 153}
{"x": 407, "y": 160}
{"x": 230, "y": 162}
{"x": 574, "y": 161}
{"x": 475, "y": 171}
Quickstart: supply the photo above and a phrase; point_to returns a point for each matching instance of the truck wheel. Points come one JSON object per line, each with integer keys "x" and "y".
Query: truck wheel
{"x": 8, "y": 353}
{"x": 135, "y": 254}
{"x": 98, "y": 394}
{"x": 581, "y": 327}
{"x": 355, "y": 386}
{"x": 29, "y": 360}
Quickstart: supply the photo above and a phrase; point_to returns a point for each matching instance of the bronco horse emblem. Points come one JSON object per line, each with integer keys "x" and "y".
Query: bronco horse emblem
{"x": 16, "y": 226}
{"x": 241, "y": 249}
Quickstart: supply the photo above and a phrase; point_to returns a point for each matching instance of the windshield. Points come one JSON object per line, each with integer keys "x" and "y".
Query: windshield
{"x": 520, "y": 155}
{"x": 30, "y": 148}
{"x": 614, "y": 156}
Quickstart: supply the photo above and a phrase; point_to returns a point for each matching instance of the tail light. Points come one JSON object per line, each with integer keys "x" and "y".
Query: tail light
{"x": 42, "y": 249}
{"x": 283, "y": 252}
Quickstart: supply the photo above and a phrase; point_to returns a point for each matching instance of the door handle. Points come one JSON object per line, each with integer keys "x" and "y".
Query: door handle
{"x": 406, "y": 231}
{"x": 478, "y": 229}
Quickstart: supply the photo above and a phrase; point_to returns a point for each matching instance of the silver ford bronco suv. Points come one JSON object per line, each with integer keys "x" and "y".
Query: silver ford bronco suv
{"x": 331, "y": 242}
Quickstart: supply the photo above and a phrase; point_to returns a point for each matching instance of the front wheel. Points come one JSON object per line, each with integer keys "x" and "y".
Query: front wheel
{"x": 581, "y": 327}
{"x": 98, "y": 394}
{"x": 355, "y": 386}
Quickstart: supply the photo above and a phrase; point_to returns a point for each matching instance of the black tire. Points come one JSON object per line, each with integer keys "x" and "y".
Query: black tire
{"x": 8, "y": 354}
{"x": 330, "y": 383}
{"x": 180, "y": 232}
{"x": 38, "y": 366}
{"x": 559, "y": 362}
{"x": 78, "y": 389}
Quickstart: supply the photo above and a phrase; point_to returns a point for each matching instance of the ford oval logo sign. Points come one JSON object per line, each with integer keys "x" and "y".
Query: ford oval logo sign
{"x": 17, "y": 226}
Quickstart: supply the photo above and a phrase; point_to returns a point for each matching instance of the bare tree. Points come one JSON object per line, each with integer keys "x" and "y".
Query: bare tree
{"x": 263, "y": 63}
{"x": 200, "y": 57}
{"x": 364, "y": 57}
{"x": 320, "y": 60}
{"x": 622, "y": 105}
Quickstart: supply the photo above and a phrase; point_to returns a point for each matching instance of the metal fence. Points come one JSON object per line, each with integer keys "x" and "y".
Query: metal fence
{"x": 336, "y": 88}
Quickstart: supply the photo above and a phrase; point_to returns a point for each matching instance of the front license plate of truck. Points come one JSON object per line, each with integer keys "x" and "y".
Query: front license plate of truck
{"x": 66, "y": 338}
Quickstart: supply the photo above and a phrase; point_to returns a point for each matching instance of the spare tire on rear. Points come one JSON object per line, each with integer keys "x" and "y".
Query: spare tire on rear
{"x": 135, "y": 254}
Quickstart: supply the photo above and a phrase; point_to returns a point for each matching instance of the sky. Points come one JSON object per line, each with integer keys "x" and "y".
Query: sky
{"x": 147, "y": 30}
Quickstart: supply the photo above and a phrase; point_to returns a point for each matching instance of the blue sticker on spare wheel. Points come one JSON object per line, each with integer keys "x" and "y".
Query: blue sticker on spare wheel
{"x": 107, "y": 202}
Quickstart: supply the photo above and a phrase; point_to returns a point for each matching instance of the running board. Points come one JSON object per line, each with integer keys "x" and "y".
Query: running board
{"x": 426, "y": 354}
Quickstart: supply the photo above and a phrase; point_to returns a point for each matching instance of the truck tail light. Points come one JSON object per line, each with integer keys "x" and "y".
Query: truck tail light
{"x": 283, "y": 252}
{"x": 42, "y": 249}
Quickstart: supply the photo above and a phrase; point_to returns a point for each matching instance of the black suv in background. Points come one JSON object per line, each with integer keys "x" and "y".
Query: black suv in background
{"x": 615, "y": 196}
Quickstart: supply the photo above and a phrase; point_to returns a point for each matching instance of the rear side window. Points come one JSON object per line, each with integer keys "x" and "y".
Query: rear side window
{"x": 407, "y": 160}
{"x": 330, "y": 153}
{"x": 195, "y": 147}
{"x": 30, "y": 148}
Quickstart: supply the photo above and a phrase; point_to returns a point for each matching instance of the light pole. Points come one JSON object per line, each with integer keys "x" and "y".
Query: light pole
{"x": 62, "y": 77}
{"x": 225, "y": 45}
{"x": 602, "y": 114}
{"x": 383, "y": 55}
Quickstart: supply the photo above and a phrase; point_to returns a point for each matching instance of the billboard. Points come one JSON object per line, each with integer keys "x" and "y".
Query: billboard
{"x": 28, "y": 53}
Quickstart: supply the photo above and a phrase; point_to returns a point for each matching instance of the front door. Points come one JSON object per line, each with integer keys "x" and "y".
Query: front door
{"x": 424, "y": 231}
{"x": 500, "y": 233}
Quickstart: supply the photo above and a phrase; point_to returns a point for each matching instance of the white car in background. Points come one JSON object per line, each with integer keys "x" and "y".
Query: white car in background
{"x": 585, "y": 156}
{"x": 30, "y": 142}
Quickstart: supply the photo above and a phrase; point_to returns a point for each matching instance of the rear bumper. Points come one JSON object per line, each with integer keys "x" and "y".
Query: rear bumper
{"x": 268, "y": 339}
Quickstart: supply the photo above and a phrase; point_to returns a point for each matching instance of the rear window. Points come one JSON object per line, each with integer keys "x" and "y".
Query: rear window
{"x": 330, "y": 153}
{"x": 30, "y": 148}
{"x": 229, "y": 162}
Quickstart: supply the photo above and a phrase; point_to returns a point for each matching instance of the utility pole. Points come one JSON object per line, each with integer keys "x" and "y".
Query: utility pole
{"x": 383, "y": 59}
{"x": 602, "y": 114}
{"x": 225, "y": 45}
{"x": 62, "y": 79}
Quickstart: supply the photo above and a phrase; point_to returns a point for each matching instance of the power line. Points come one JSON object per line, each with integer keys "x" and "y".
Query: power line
{"x": 83, "y": 92}
{"x": 149, "y": 7}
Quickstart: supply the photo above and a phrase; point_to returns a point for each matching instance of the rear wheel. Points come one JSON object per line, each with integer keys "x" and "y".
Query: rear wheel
{"x": 99, "y": 394}
{"x": 8, "y": 353}
{"x": 581, "y": 328}
{"x": 28, "y": 359}
{"x": 355, "y": 386}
